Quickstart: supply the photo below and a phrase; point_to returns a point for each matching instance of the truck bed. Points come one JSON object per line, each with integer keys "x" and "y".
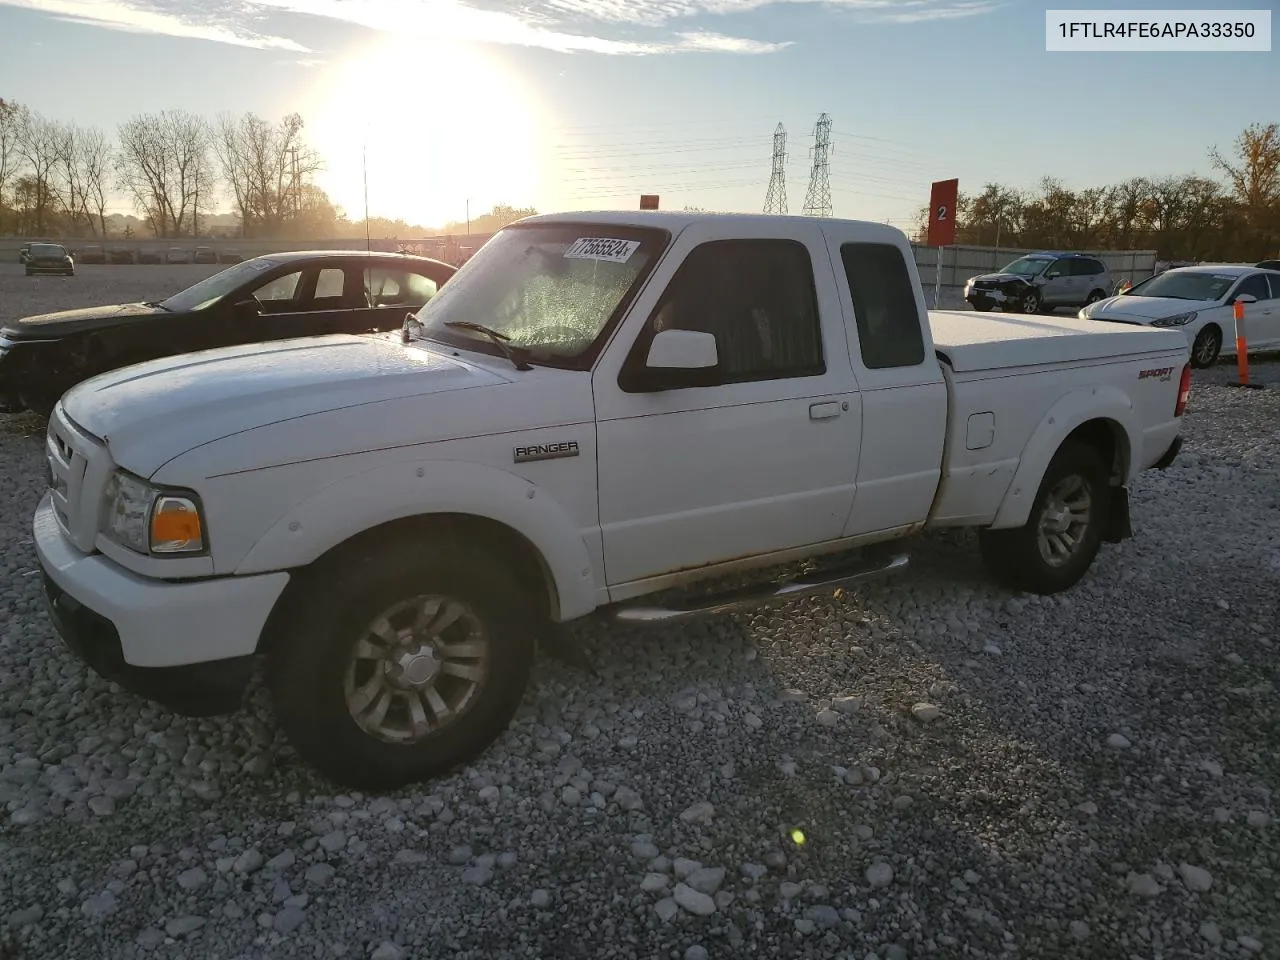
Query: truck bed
{"x": 970, "y": 341}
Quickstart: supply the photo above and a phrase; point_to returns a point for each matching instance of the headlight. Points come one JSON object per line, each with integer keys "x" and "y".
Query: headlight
{"x": 149, "y": 520}
{"x": 1181, "y": 320}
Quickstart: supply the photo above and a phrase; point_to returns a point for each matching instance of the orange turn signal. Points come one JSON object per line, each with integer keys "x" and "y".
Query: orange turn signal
{"x": 175, "y": 526}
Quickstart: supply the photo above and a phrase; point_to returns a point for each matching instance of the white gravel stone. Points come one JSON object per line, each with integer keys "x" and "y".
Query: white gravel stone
{"x": 666, "y": 909}
{"x": 653, "y": 882}
{"x": 700, "y": 813}
{"x": 699, "y": 904}
{"x": 1118, "y": 741}
{"x": 1143, "y": 885}
{"x": 706, "y": 879}
{"x": 926, "y": 712}
{"x": 1196, "y": 878}
{"x": 879, "y": 875}
{"x": 827, "y": 717}
{"x": 387, "y": 951}
{"x": 192, "y": 879}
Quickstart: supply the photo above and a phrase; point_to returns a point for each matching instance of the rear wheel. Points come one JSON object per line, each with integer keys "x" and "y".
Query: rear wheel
{"x": 1207, "y": 346}
{"x": 1063, "y": 532}
{"x": 404, "y": 663}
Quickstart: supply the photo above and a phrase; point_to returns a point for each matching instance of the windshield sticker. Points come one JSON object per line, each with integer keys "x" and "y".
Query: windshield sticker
{"x": 601, "y": 248}
{"x": 1218, "y": 276}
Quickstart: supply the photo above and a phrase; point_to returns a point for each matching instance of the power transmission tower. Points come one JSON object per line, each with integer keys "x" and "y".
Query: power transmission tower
{"x": 775, "y": 201}
{"x": 817, "y": 201}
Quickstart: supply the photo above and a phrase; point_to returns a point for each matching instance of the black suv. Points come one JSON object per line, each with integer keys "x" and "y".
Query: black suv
{"x": 1041, "y": 282}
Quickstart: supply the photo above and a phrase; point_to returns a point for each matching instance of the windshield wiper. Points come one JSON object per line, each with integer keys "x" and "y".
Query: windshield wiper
{"x": 516, "y": 355}
{"x": 156, "y": 303}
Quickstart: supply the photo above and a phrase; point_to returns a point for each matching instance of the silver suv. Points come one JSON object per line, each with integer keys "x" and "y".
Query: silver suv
{"x": 1041, "y": 282}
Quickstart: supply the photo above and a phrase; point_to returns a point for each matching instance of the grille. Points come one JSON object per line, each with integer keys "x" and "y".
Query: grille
{"x": 67, "y": 467}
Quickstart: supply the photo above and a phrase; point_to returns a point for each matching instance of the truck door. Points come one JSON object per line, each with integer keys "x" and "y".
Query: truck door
{"x": 765, "y": 459}
{"x": 904, "y": 398}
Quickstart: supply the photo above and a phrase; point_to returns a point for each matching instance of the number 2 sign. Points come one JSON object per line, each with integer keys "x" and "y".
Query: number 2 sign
{"x": 942, "y": 202}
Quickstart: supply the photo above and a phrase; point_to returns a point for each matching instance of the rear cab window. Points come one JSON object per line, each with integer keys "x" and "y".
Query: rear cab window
{"x": 884, "y": 305}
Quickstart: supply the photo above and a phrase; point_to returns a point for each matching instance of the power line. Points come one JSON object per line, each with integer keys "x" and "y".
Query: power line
{"x": 775, "y": 199}
{"x": 817, "y": 201}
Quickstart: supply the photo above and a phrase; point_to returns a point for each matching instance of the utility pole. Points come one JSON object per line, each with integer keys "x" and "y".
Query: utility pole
{"x": 817, "y": 200}
{"x": 468, "y": 217}
{"x": 775, "y": 200}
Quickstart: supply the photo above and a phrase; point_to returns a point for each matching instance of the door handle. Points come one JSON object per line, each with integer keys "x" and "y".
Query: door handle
{"x": 824, "y": 411}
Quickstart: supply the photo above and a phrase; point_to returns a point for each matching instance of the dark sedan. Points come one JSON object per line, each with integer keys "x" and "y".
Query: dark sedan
{"x": 49, "y": 258}
{"x": 274, "y": 297}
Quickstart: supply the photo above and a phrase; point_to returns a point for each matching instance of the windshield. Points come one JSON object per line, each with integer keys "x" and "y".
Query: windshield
{"x": 552, "y": 289}
{"x": 1026, "y": 266}
{"x": 213, "y": 288}
{"x": 1185, "y": 285}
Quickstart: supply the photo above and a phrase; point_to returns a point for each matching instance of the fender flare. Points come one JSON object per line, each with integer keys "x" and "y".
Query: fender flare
{"x": 1073, "y": 410}
{"x": 420, "y": 488}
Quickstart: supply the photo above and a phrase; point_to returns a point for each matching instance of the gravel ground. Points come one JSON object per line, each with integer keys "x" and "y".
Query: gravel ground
{"x": 975, "y": 773}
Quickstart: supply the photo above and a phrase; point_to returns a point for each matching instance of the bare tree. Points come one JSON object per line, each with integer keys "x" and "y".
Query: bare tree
{"x": 93, "y": 160}
{"x": 164, "y": 163}
{"x": 267, "y": 169}
{"x": 39, "y": 144}
{"x": 10, "y": 159}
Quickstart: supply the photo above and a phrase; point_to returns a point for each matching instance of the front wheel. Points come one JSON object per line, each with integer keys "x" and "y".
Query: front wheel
{"x": 1030, "y": 302}
{"x": 1094, "y": 297}
{"x": 1205, "y": 349}
{"x": 403, "y": 663}
{"x": 1062, "y": 535}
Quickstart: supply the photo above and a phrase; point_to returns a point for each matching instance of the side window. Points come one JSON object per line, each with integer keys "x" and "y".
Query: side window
{"x": 1061, "y": 267}
{"x": 1097, "y": 268}
{"x": 757, "y": 297}
{"x": 1256, "y": 285}
{"x": 329, "y": 285}
{"x": 884, "y": 305}
{"x": 397, "y": 288}
{"x": 279, "y": 292}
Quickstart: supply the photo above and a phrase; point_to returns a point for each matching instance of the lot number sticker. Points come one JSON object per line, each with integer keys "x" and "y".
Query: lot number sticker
{"x": 601, "y": 248}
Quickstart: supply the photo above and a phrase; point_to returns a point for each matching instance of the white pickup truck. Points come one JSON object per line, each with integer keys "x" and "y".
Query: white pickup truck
{"x": 597, "y": 409}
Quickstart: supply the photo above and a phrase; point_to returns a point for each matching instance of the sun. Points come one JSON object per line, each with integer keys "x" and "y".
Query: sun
{"x": 436, "y": 125}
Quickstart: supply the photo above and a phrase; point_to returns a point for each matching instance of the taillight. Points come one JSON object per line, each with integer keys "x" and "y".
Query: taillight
{"x": 1184, "y": 391}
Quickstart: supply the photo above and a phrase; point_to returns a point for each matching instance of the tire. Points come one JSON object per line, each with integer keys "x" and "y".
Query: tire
{"x": 1094, "y": 297}
{"x": 981, "y": 308}
{"x": 1022, "y": 558}
{"x": 1031, "y": 302}
{"x": 39, "y": 404}
{"x": 1207, "y": 346}
{"x": 314, "y": 672}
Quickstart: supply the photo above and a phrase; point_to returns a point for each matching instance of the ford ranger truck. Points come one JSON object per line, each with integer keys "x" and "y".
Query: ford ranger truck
{"x": 606, "y": 414}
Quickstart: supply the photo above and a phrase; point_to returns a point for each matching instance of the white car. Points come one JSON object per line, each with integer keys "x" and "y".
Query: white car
{"x": 1200, "y": 301}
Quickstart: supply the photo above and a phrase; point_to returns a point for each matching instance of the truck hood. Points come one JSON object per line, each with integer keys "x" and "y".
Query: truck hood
{"x": 64, "y": 322}
{"x": 151, "y": 412}
{"x": 1145, "y": 309}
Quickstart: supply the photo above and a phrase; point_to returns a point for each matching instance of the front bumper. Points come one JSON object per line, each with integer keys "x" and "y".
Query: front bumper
{"x": 187, "y": 645}
{"x": 50, "y": 267}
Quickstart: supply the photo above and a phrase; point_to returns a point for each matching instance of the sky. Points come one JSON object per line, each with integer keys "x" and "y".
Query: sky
{"x": 455, "y": 105}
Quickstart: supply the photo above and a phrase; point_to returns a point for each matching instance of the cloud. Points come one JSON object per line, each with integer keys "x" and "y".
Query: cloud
{"x": 610, "y": 27}
{"x": 134, "y": 17}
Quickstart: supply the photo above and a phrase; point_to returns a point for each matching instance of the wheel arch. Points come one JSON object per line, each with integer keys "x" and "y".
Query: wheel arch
{"x": 514, "y": 548}
{"x": 1101, "y": 417}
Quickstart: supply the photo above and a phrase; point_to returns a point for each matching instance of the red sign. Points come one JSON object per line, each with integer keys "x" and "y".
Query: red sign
{"x": 942, "y": 212}
{"x": 648, "y": 201}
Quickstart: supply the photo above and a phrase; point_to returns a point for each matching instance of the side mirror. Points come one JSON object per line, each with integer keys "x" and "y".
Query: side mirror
{"x": 246, "y": 309}
{"x": 1052, "y": 275}
{"x": 1244, "y": 298}
{"x": 681, "y": 358}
